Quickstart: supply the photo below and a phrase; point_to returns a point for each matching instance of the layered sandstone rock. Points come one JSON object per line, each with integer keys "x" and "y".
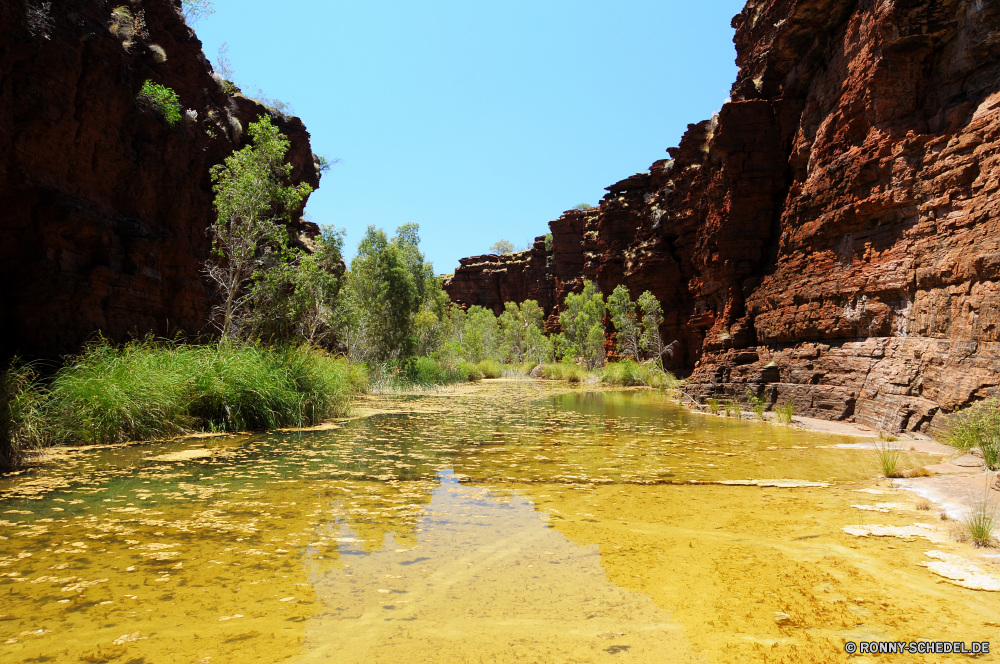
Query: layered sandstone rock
{"x": 103, "y": 207}
{"x": 830, "y": 237}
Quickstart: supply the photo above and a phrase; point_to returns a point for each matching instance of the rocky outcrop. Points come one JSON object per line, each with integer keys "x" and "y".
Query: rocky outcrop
{"x": 105, "y": 206}
{"x": 831, "y": 237}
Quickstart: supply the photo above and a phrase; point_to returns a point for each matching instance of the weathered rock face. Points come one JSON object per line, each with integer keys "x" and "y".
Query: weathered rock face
{"x": 831, "y": 237}
{"x": 103, "y": 207}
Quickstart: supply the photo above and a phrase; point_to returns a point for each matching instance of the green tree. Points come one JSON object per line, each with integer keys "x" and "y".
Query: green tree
{"x": 583, "y": 326}
{"x": 431, "y": 325}
{"x": 383, "y": 296}
{"x": 652, "y": 318}
{"x": 626, "y": 322}
{"x": 481, "y": 335}
{"x": 253, "y": 203}
{"x": 516, "y": 324}
{"x": 502, "y": 247}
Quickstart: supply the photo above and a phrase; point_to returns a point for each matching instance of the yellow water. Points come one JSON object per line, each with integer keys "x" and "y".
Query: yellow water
{"x": 506, "y": 522}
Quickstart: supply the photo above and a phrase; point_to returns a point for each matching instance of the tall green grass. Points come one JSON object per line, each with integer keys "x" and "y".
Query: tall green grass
{"x": 978, "y": 426}
{"x": 887, "y": 459}
{"x": 981, "y": 522}
{"x": 154, "y": 389}
{"x": 21, "y": 400}
{"x": 630, "y": 372}
{"x": 568, "y": 371}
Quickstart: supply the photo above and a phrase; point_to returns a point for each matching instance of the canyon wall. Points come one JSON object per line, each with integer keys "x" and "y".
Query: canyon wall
{"x": 103, "y": 206}
{"x": 830, "y": 237}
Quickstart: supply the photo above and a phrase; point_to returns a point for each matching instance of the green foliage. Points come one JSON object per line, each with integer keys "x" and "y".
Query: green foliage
{"x": 650, "y": 339}
{"x": 978, "y": 426}
{"x": 502, "y": 247}
{"x": 757, "y": 405}
{"x": 623, "y": 317}
{"x": 584, "y": 206}
{"x": 522, "y": 333}
{"x": 490, "y": 369}
{"x": 629, "y": 372}
{"x": 583, "y": 327}
{"x": 887, "y": 459}
{"x": 162, "y": 100}
{"x": 713, "y": 405}
{"x": 568, "y": 371}
{"x": 298, "y": 295}
{"x": 21, "y": 425}
{"x": 252, "y": 201}
{"x": 732, "y": 408}
{"x": 481, "y": 336}
{"x": 981, "y": 522}
{"x": 548, "y": 242}
{"x": 152, "y": 389}
{"x": 427, "y": 372}
{"x": 385, "y": 291}
{"x": 786, "y": 412}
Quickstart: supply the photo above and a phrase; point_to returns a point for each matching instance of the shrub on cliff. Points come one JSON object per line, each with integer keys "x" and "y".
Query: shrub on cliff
{"x": 162, "y": 100}
{"x": 502, "y": 247}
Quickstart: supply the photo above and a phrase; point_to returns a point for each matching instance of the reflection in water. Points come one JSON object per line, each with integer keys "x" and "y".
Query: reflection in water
{"x": 486, "y": 580}
{"x": 511, "y": 521}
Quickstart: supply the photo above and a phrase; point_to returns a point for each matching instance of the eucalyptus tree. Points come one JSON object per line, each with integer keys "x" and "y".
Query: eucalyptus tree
{"x": 253, "y": 201}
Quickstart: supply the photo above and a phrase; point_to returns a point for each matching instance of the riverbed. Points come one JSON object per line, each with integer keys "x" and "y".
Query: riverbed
{"x": 509, "y": 521}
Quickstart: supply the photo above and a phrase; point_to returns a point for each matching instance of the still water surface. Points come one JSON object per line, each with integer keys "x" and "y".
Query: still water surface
{"x": 513, "y": 521}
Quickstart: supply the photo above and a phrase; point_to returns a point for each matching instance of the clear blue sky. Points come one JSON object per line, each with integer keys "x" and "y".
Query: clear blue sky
{"x": 479, "y": 120}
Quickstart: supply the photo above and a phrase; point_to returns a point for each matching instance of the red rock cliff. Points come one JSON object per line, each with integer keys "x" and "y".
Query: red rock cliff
{"x": 103, "y": 207}
{"x": 830, "y": 237}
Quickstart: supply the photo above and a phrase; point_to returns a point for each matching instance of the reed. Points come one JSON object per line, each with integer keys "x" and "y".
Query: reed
{"x": 887, "y": 459}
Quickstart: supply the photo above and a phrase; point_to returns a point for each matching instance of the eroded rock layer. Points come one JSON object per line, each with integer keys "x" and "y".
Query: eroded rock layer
{"x": 103, "y": 206}
{"x": 830, "y": 237}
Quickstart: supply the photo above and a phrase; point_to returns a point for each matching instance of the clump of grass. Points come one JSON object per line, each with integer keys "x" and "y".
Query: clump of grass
{"x": 518, "y": 371}
{"x": 630, "y": 372}
{"x": 122, "y": 23}
{"x": 887, "y": 459}
{"x": 148, "y": 390}
{"x": 786, "y": 412}
{"x": 21, "y": 423}
{"x": 923, "y": 504}
{"x": 568, "y": 371}
{"x": 981, "y": 522}
{"x": 426, "y": 372}
{"x": 159, "y": 55}
{"x": 713, "y": 405}
{"x": 978, "y": 427}
{"x": 732, "y": 408}
{"x": 162, "y": 100}
{"x": 757, "y": 405}
{"x": 490, "y": 369}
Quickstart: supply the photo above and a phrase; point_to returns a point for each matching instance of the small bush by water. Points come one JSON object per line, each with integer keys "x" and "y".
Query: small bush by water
{"x": 978, "y": 427}
{"x": 980, "y": 524}
{"x": 887, "y": 458}
{"x": 630, "y": 372}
